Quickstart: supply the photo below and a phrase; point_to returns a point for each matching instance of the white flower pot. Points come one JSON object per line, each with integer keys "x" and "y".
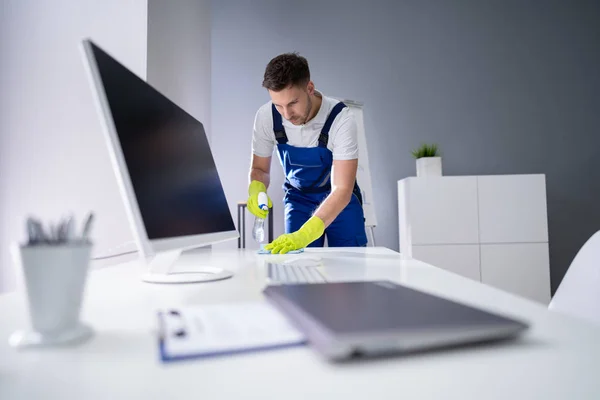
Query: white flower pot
{"x": 429, "y": 166}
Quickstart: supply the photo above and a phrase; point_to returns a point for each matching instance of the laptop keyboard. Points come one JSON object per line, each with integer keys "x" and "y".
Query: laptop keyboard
{"x": 290, "y": 273}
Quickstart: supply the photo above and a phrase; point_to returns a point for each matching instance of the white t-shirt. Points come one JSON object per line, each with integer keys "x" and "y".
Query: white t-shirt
{"x": 343, "y": 141}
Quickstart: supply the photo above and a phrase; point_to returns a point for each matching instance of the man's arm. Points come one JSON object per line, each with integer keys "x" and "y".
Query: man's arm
{"x": 260, "y": 169}
{"x": 343, "y": 176}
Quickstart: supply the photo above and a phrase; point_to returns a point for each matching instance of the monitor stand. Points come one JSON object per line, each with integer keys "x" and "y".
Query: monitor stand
{"x": 160, "y": 270}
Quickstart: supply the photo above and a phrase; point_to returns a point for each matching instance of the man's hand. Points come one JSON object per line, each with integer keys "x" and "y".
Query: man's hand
{"x": 253, "y": 190}
{"x": 308, "y": 233}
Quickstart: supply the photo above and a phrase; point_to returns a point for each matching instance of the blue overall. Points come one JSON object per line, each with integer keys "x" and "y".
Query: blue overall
{"x": 307, "y": 184}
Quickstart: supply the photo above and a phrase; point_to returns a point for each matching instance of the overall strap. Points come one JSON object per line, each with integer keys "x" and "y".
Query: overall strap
{"x": 324, "y": 136}
{"x": 278, "y": 128}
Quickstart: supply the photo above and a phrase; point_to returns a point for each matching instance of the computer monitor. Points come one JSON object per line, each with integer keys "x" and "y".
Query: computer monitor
{"x": 165, "y": 169}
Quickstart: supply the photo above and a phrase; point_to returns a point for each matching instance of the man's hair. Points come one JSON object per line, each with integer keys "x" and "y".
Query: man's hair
{"x": 288, "y": 69}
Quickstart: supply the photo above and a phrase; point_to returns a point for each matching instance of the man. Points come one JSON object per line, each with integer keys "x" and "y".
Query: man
{"x": 316, "y": 139}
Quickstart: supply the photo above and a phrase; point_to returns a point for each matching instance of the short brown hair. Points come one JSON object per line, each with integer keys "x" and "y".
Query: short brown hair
{"x": 288, "y": 69}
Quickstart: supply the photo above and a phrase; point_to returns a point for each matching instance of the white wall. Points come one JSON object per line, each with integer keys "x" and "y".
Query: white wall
{"x": 52, "y": 156}
{"x": 179, "y": 54}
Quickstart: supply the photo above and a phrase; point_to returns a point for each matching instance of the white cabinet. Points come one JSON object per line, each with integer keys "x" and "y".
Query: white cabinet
{"x": 490, "y": 228}
{"x": 512, "y": 209}
{"x": 462, "y": 259}
{"x": 521, "y": 268}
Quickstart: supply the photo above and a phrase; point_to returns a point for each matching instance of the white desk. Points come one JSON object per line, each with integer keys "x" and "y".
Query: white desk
{"x": 558, "y": 359}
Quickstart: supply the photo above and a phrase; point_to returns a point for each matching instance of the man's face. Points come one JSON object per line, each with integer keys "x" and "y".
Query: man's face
{"x": 294, "y": 102}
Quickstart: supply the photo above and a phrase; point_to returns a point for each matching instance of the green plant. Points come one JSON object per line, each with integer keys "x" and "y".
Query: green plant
{"x": 426, "y": 150}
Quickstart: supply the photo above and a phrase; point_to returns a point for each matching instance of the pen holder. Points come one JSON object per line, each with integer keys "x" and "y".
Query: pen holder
{"x": 54, "y": 277}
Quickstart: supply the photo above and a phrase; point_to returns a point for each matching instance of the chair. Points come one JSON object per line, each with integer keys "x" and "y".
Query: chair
{"x": 579, "y": 292}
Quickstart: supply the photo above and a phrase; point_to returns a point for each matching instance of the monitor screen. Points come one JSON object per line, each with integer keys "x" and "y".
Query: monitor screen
{"x": 172, "y": 170}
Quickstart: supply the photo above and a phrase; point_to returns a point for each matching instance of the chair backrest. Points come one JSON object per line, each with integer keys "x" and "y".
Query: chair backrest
{"x": 579, "y": 292}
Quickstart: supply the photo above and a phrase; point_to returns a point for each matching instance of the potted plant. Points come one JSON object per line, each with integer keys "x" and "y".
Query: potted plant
{"x": 429, "y": 161}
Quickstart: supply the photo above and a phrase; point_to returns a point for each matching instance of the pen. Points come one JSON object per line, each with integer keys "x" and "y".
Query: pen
{"x": 40, "y": 235}
{"x": 33, "y": 229}
{"x": 87, "y": 227}
{"x": 68, "y": 229}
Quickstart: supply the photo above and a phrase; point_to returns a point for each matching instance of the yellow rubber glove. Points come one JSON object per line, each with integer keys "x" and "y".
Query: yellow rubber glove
{"x": 308, "y": 233}
{"x": 253, "y": 190}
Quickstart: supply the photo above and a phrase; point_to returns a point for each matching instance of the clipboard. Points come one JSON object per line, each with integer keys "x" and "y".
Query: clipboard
{"x": 223, "y": 329}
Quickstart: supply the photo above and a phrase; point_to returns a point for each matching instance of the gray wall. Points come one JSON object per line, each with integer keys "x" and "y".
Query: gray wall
{"x": 179, "y": 54}
{"x": 53, "y": 159}
{"x": 505, "y": 87}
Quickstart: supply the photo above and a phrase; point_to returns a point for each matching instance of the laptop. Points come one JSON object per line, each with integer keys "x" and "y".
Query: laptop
{"x": 343, "y": 320}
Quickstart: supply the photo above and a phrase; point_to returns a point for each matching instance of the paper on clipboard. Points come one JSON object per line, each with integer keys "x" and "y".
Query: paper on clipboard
{"x": 209, "y": 330}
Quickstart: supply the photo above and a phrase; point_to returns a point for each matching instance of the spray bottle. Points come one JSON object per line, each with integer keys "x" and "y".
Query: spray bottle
{"x": 258, "y": 231}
